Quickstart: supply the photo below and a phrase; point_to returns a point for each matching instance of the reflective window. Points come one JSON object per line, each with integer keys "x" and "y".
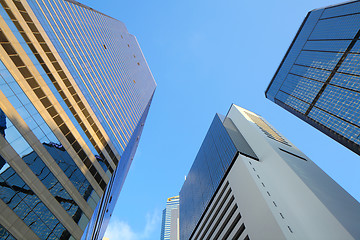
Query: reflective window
{"x": 4, "y": 234}
{"x": 312, "y": 73}
{"x": 343, "y": 9}
{"x": 351, "y": 64}
{"x": 212, "y": 161}
{"x": 293, "y": 53}
{"x": 334, "y": 45}
{"x": 347, "y": 81}
{"x": 342, "y": 103}
{"x": 293, "y": 102}
{"x": 38, "y": 126}
{"x": 323, "y": 60}
{"x": 328, "y": 53}
{"x": 302, "y": 88}
{"x": 344, "y": 27}
{"x": 35, "y": 163}
{"x": 22, "y": 200}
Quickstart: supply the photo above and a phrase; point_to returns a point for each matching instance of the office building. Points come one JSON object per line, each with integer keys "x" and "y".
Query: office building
{"x": 75, "y": 91}
{"x": 250, "y": 182}
{"x": 319, "y": 78}
{"x": 170, "y": 220}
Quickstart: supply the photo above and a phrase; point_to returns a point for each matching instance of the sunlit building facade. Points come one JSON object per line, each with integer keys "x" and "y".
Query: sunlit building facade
{"x": 250, "y": 182}
{"x": 170, "y": 220}
{"x": 75, "y": 91}
{"x": 319, "y": 78}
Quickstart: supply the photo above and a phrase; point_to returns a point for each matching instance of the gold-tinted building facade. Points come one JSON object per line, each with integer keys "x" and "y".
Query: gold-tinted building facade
{"x": 75, "y": 90}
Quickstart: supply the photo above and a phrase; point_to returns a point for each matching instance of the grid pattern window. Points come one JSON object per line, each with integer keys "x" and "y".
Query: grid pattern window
{"x": 36, "y": 164}
{"x": 116, "y": 87}
{"x": 28, "y": 207}
{"x": 211, "y": 163}
{"x": 38, "y": 126}
{"x": 4, "y": 234}
{"x": 318, "y": 79}
{"x": 75, "y": 92}
{"x": 37, "y": 88}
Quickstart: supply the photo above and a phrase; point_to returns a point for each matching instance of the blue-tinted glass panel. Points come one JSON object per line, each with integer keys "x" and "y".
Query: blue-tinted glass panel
{"x": 103, "y": 212}
{"x": 341, "y": 102}
{"x": 346, "y": 81}
{"x": 313, "y": 73}
{"x": 356, "y": 47}
{"x": 38, "y": 167}
{"x": 332, "y": 45}
{"x": 334, "y": 37}
{"x": 36, "y": 124}
{"x": 114, "y": 80}
{"x": 23, "y": 201}
{"x": 5, "y": 235}
{"x": 347, "y": 130}
{"x": 351, "y": 64}
{"x": 344, "y": 27}
{"x": 344, "y": 9}
{"x": 292, "y": 102}
{"x": 211, "y": 163}
{"x": 293, "y": 53}
{"x": 323, "y": 60}
{"x": 300, "y": 87}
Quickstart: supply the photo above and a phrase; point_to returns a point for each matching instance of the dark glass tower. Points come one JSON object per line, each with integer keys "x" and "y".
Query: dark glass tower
{"x": 319, "y": 78}
{"x": 217, "y": 153}
{"x": 75, "y": 91}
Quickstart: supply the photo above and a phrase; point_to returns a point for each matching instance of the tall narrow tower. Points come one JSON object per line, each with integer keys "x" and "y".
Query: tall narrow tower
{"x": 170, "y": 220}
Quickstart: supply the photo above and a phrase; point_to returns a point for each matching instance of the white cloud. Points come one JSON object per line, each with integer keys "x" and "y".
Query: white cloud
{"x": 119, "y": 229}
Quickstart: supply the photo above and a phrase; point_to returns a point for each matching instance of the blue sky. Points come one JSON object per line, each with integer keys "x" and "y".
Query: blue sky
{"x": 205, "y": 55}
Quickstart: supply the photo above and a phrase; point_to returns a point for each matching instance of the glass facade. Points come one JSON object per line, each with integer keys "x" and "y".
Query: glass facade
{"x": 210, "y": 165}
{"x": 75, "y": 91}
{"x": 318, "y": 79}
{"x": 101, "y": 217}
{"x": 4, "y": 234}
{"x": 29, "y": 208}
{"x": 87, "y": 41}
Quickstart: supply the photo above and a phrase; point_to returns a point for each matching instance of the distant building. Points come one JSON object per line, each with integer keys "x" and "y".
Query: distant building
{"x": 75, "y": 91}
{"x": 170, "y": 220}
{"x": 250, "y": 182}
{"x": 319, "y": 78}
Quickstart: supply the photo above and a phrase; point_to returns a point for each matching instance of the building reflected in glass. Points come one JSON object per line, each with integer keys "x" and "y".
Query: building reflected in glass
{"x": 75, "y": 91}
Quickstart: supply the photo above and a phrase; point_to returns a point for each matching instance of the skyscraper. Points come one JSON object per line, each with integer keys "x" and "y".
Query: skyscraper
{"x": 170, "y": 220}
{"x": 250, "y": 182}
{"x": 319, "y": 78}
{"x": 75, "y": 91}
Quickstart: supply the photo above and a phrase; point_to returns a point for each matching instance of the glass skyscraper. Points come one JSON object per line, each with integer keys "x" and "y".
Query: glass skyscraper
{"x": 250, "y": 182}
{"x": 170, "y": 220}
{"x": 215, "y": 156}
{"x": 319, "y": 78}
{"x": 75, "y": 91}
